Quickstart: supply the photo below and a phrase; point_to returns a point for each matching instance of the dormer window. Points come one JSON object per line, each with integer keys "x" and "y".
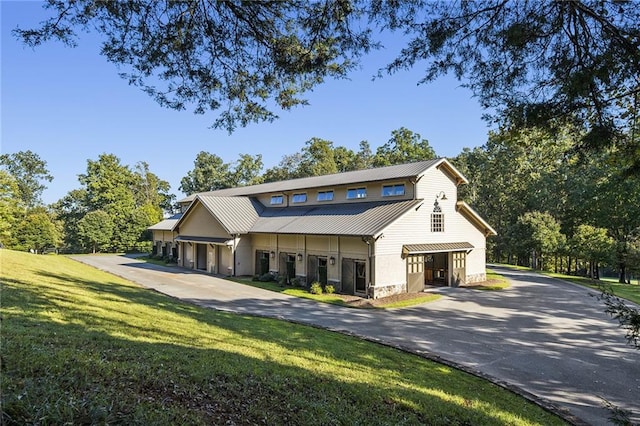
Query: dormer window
{"x": 354, "y": 193}
{"x": 325, "y": 196}
{"x": 277, "y": 199}
{"x": 299, "y": 198}
{"x": 393, "y": 190}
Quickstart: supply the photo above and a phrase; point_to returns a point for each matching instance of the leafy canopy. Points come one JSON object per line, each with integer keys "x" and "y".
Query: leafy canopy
{"x": 530, "y": 63}
{"x": 240, "y": 58}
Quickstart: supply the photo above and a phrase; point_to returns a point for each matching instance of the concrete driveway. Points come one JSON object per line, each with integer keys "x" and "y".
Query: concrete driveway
{"x": 544, "y": 336}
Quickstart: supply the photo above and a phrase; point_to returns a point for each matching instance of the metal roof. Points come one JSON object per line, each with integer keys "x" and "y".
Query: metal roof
{"x": 167, "y": 224}
{"x": 236, "y": 214}
{"x": 435, "y": 247}
{"x": 400, "y": 171}
{"x": 359, "y": 219}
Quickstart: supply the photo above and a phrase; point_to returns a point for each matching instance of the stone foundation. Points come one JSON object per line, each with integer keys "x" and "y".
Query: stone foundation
{"x": 476, "y": 278}
{"x": 376, "y": 292}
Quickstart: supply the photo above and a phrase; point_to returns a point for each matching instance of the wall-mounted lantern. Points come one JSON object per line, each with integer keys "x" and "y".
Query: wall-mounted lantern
{"x": 272, "y": 254}
{"x": 332, "y": 260}
{"x": 299, "y": 257}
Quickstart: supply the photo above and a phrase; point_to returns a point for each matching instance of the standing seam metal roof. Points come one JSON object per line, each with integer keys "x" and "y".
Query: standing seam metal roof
{"x": 361, "y": 219}
{"x": 399, "y": 171}
{"x": 236, "y": 214}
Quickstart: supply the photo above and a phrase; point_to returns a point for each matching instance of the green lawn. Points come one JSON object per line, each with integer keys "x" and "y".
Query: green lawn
{"x": 626, "y": 291}
{"x": 336, "y": 299}
{"x": 80, "y": 346}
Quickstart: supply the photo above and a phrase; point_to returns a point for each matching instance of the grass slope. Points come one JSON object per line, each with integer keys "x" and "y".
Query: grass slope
{"x": 80, "y": 346}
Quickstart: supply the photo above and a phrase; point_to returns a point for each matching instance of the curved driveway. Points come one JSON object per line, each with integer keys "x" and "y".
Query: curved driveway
{"x": 545, "y": 336}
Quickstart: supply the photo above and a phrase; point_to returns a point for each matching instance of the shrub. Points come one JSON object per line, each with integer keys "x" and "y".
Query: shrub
{"x": 329, "y": 289}
{"x": 295, "y": 282}
{"x": 265, "y": 278}
{"x": 316, "y": 288}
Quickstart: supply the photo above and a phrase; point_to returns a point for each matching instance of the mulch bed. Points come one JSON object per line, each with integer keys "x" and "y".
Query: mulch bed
{"x": 361, "y": 302}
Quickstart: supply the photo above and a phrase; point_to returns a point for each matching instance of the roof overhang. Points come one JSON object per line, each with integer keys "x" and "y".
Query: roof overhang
{"x": 475, "y": 218}
{"x": 426, "y": 248}
{"x": 448, "y": 168}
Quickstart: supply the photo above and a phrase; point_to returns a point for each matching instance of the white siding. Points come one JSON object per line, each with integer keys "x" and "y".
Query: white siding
{"x": 415, "y": 228}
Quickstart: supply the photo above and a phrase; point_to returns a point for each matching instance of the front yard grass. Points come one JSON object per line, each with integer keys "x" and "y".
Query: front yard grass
{"x": 630, "y": 292}
{"x": 626, "y": 291}
{"x": 392, "y": 302}
{"x": 81, "y": 346}
{"x": 494, "y": 282}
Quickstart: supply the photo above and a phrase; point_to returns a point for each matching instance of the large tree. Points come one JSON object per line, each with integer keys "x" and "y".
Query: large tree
{"x": 404, "y": 146}
{"x": 534, "y": 63}
{"x": 11, "y": 208}
{"x": 239, "y": 58}
{"x": 209, "y": 173}
{"x": 29, "y": 171}
{"x": 96, "y": 229}
{"x": 531, "y": 62}
{"x": 37, "y": 231}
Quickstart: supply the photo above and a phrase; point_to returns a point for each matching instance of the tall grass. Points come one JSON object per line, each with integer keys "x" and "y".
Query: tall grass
{"x": 80, "y": 346}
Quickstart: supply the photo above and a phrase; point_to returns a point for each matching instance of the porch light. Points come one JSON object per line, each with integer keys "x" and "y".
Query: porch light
{"x": 441, "y": 195}
{"x": 272, "y": 254}
{"x": 332, "y": 260}
{"x": 299, "y": 257}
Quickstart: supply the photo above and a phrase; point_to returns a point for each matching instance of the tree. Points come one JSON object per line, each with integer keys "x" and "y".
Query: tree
{"x": 96, "y": 229}
{"x": 28, "y": 170}
{"x": 237, "y": 57}
{"x": 70, "y": 209}
{"x": 592, "y": 244}
{"x": 404, "y": 146}
{"x": 246, "y": 171}
{"x": 533, "y": 63}
{"x": 541, "y": 235}
{"x": 209, "y": 173}
{"x": 37, "y": 231}
{"x": 11, "y": 208}
{"x": 149, "y": 189}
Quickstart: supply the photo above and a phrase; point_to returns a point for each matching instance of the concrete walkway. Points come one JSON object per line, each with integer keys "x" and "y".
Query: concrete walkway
{"x": 544, "y": 336}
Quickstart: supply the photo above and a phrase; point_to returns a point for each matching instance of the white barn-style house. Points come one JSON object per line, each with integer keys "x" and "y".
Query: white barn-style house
{"x": 373, "y": 233}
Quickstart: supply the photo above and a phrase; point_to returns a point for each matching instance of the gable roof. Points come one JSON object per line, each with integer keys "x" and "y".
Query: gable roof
{"x": 475, "y": 218}
{"x": 167, "y": 224}
{"x": 236, "y": 214}
{"x": 400, "y": 171}
{"x": 353, "y": 219}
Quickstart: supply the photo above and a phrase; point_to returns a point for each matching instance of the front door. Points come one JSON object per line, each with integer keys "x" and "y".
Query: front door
{"x": 361, "y": 277}
{"x": 201, "y": 256}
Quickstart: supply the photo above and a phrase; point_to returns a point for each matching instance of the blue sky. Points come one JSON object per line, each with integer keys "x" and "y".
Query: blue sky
{"x": 69, "y": 105}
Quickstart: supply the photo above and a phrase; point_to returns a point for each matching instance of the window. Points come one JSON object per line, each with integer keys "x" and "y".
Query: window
{"x": 437, "y": 222}
{"x": 299, "y": 198}
{"x": 277, "y": 199}
{"x": 325, "y": 195}
{"x": 356, "y": 193}
{"x": 393, "y": 190}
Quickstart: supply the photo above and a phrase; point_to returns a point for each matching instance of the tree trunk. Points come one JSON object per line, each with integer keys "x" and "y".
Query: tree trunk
{"x": 621, "y": 278}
